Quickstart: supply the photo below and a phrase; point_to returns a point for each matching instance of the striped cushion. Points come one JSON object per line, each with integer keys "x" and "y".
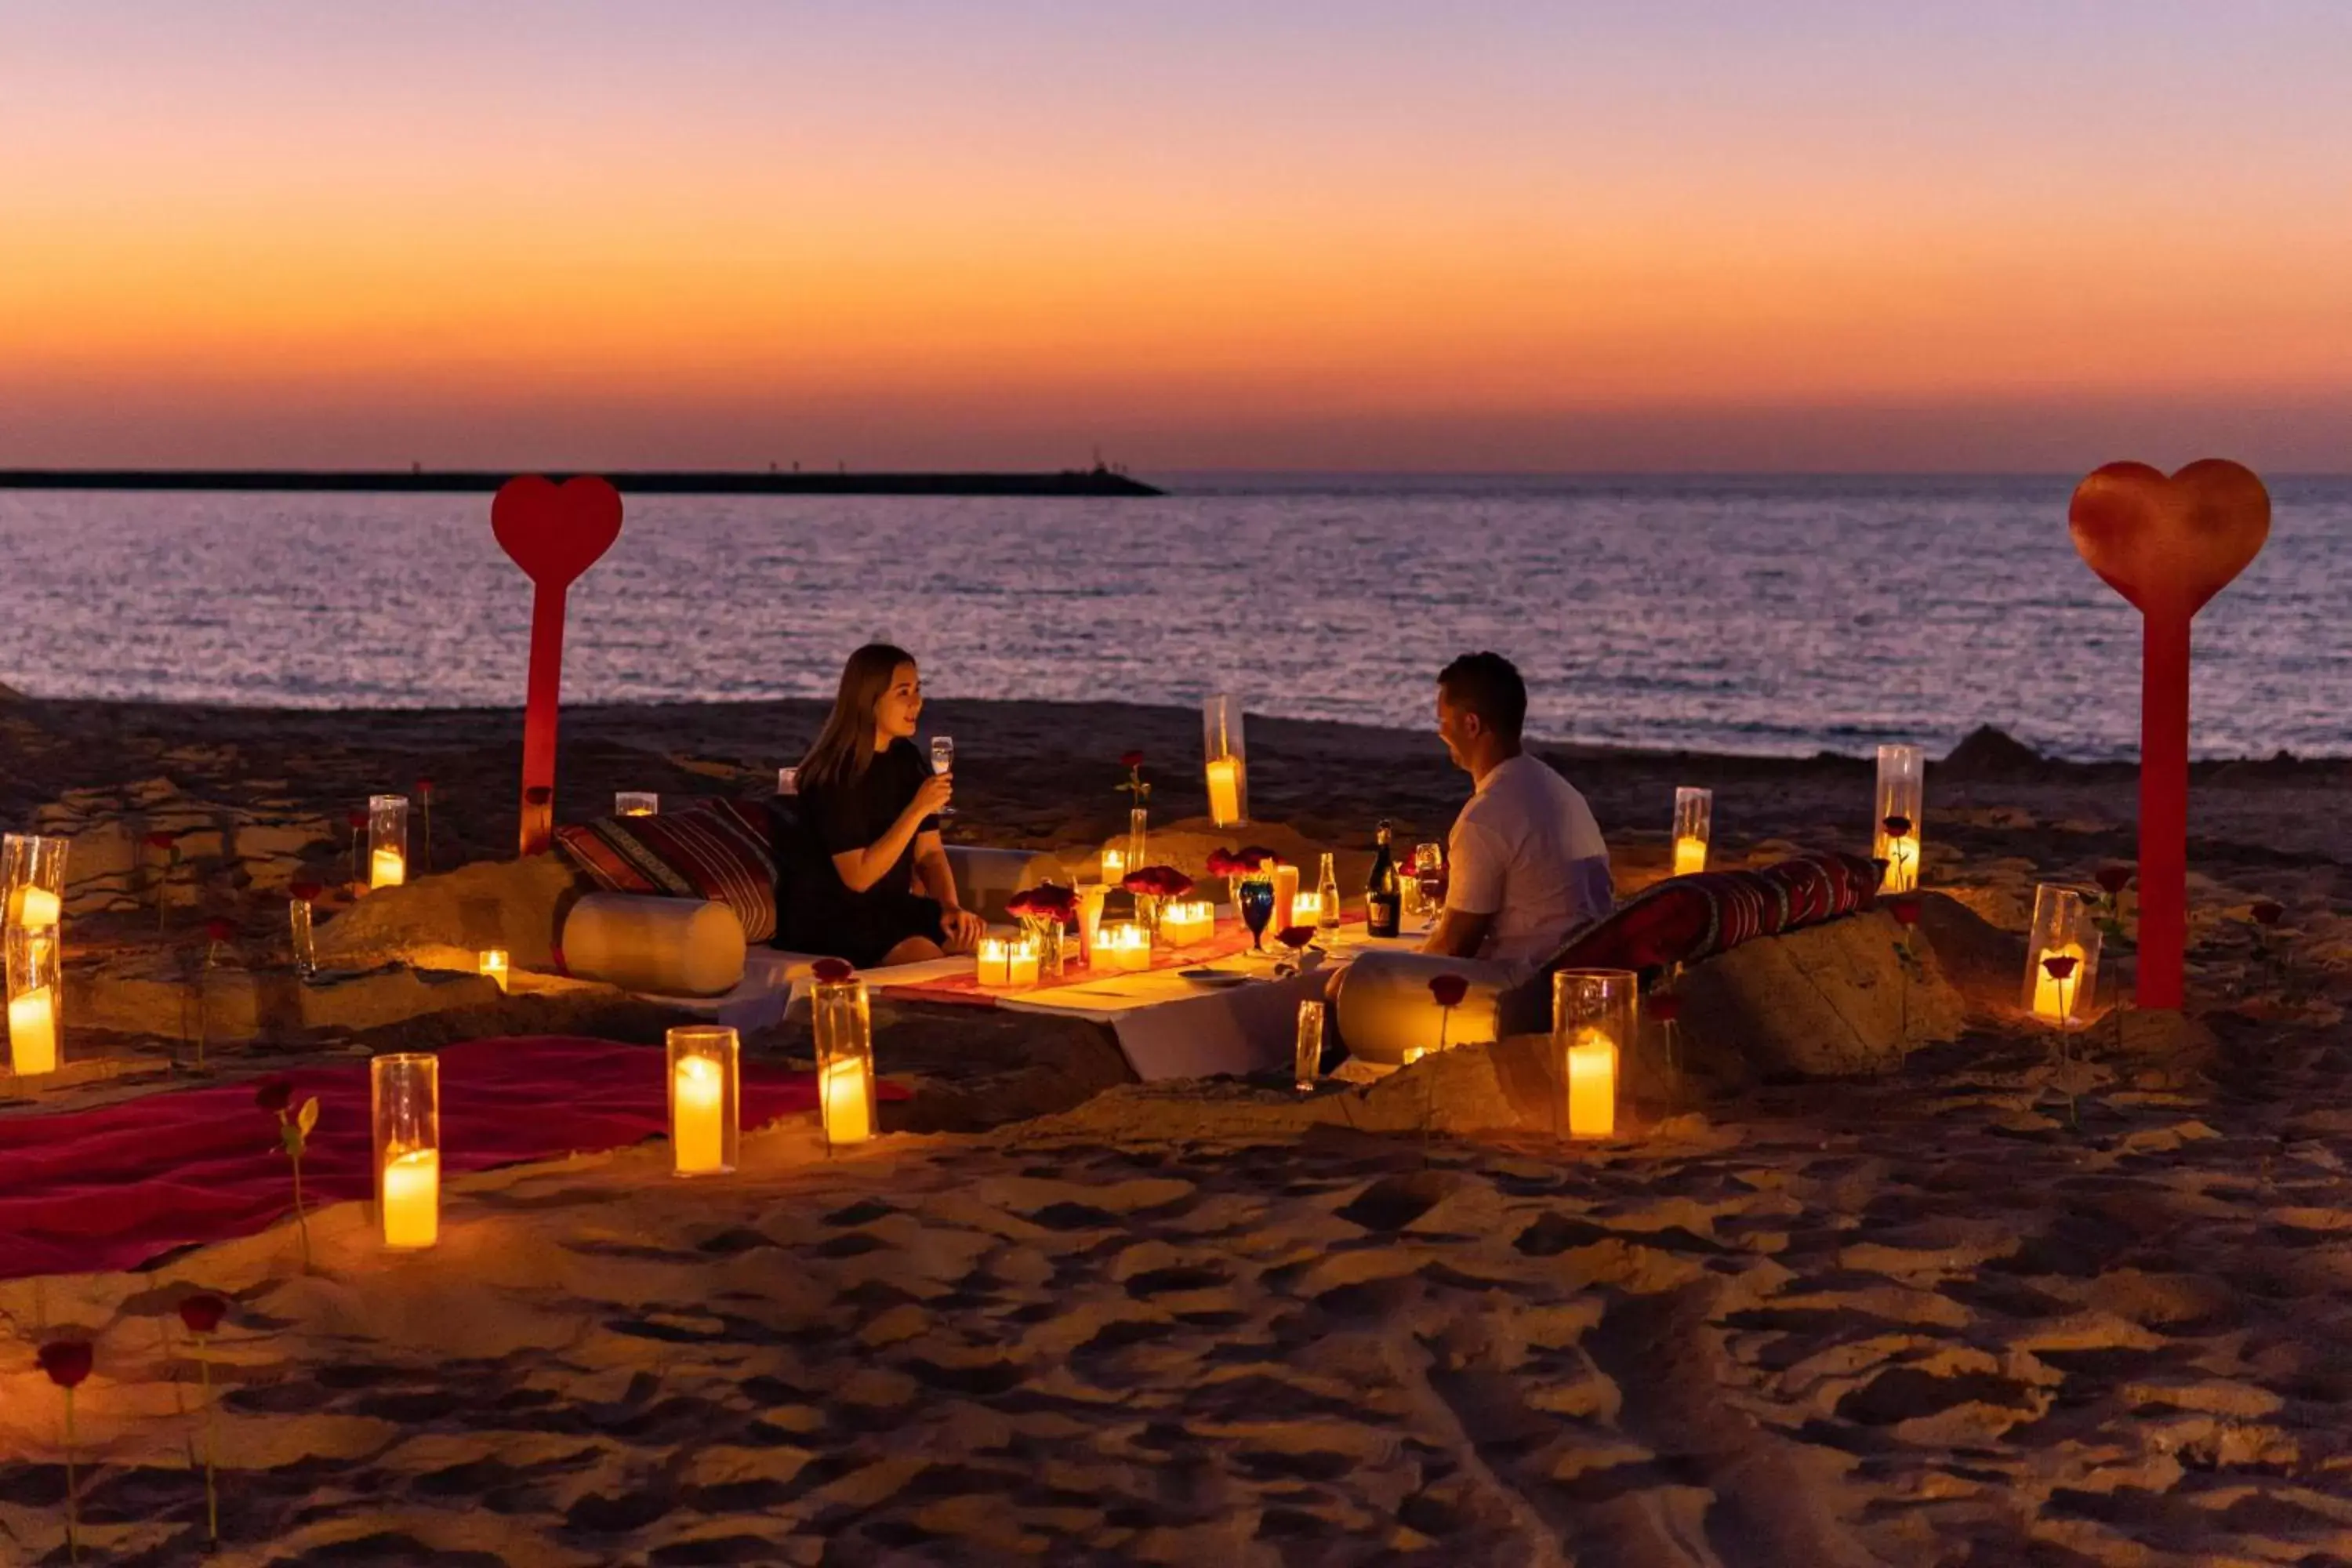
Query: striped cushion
{"x": 714, "y": 849}
{"x": 1686, "y": 919}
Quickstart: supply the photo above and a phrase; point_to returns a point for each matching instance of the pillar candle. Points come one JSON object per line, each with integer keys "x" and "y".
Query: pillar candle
{"x": 1285, "y": 898}
{"x": 389, "y": 869}
{"x": 1114, "y": 867}
{"x": 1902, "y": 863}
{"x": 1225, "y": 790}
{"x": 37, "y": 909}
{"x": 1307, "y": 909}
{"x": 2048, "y": 1006}
{"x": 1690, "y": 856}
{"x": 33, "y": 1032}
{"x": 995, "y": 961}
{"x": 697, "y": 1107}
{"x": 1021, "y": 964}
{"x": 493, "y": 965}
{"x": 411, "y": 1198}
{"x": 1592, "y": 1085}
{"x": 847, "y": 1108}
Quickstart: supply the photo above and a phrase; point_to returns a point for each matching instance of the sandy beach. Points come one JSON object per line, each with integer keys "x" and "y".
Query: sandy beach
{"x": 1926, "y": 1316}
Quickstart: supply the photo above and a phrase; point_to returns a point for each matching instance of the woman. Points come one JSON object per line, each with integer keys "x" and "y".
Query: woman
{"x": 869, "y": 830}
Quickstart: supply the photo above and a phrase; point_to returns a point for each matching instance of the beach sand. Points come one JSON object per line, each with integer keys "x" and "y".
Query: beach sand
{"x": 1919, "y": 1317}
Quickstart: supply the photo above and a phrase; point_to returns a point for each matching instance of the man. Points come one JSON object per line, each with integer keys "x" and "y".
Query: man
{"x": 1525, "y": 861}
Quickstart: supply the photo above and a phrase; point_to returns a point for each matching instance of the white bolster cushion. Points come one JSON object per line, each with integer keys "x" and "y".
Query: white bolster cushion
{"x": 671, "y": 947}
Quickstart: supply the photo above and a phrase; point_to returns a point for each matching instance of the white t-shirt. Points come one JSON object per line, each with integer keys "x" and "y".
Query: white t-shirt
{"x": 1527, "y": 851}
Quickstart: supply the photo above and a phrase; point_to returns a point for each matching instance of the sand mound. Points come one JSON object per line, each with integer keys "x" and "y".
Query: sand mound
{"x": 221, "y": 848}
{"x": 443, "y": 921}
{"x": 1989, "y": 754}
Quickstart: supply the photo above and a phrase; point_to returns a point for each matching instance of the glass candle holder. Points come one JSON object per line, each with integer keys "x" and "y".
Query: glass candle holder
{"x": 1594, "y": 1015}
{"x": 387, "y": 840}
{"x": 1138, "y": 838}
{"x": 1186, "y": 922}
{"x": 1122, "y": 947}
{"x": 299, "y": 935}
{"x": 636, "y": 802}
{"x": 1285, "y": 897}
{"x": 35, "y": 994}
{"x": 405, "y": 1096}
{"x": 844, "y": 1060}
{"x": 1694, "y": 825}
{"x": 1900, "y": 796}
{"x": 1226, "y": 761}
{"x": 1307, "y": 1054}
{"x": 492, "y": 965}
{"x": 33, "y": 873}
{"x": 2064, "y": 926}
{"x": 704, "y": 1122}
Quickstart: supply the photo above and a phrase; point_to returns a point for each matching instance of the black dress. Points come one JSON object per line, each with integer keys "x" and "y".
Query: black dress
{"x": 816, "y": 911}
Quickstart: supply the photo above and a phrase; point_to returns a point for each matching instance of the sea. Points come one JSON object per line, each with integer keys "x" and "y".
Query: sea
{"x": 1769, "y": 615}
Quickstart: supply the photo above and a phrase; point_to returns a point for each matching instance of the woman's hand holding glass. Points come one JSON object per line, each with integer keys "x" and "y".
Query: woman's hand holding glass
{"x": 931, "y": 796}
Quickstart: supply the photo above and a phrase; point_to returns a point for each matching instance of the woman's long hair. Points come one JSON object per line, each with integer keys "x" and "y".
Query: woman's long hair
{"x": 845, "y": 747}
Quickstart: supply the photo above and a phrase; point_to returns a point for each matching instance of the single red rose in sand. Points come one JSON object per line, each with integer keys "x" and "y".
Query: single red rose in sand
{"x": 203, "y": 1311}
{"x": 1295, "y": 937}
{"x": 2060, "y": 966}
{"x": 162, "y": 840}
{"x": 832, "y": 970}
{"x": 1664, "y": 1008}
{"x": 425, "y": 788}
{"x": 2113, "y": 880}
{"x": 1898, "y": 827}
{"x": 67, "y": 1361}
{"x": 538, "y": 795}
{"x": 306, "y": 891}
{"x": 219, "y": 930}
{"x": 1904, "y": 910}
{"x": 1130, "y": 759}
{"x": 1448, "y": 989}
{"x": 355, "y": 818}
{"x": 273, "y": 1094}
{"x": 2267, "y": 913}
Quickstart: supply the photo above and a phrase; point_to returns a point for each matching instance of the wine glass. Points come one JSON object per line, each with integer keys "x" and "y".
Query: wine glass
{"x": 1429, "y": 869}
{"x": 1257, "y": 908}
{"x": 943, "y": 763}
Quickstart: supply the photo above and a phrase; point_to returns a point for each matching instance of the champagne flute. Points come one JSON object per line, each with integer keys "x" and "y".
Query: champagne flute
{"x": 1429, "y": 869}
{"x": 943, "y": 763}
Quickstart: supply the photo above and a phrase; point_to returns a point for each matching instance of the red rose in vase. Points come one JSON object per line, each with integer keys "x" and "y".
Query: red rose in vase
{"x": 831, "y": 970}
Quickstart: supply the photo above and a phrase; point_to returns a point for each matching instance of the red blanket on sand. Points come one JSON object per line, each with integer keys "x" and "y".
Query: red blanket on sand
{"x": 112, "y": 1187}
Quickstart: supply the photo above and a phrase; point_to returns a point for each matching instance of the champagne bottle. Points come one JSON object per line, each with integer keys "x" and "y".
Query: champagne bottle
{"x": 1327, "y": 893}
{"x": 1383, "y": 899}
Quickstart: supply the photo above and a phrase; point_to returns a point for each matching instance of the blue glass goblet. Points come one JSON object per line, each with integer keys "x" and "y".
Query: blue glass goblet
{"x": 1257, "y": 908}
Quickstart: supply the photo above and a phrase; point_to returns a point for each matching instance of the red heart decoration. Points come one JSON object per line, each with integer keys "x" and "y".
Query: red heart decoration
{"x": 2170, "y": 545}
{"x": 555, "y": 533}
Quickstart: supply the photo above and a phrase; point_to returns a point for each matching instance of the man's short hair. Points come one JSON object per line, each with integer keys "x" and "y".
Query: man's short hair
{"x": 1489, "y": 685}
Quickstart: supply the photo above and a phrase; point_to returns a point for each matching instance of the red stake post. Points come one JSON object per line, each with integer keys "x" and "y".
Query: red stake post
{"x": 2168, "y": 545}
{"x": 554, "y": 532}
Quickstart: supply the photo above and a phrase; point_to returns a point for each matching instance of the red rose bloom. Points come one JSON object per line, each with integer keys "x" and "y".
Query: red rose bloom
{"x": 1904, "y": 910}
{"x": 2114, "y": 879}
{"x": 1048, "y": 902}
{"x": 203, "y": 1312}
{"x": 273, "y": 1094}
{"x": 1130, "y": 759}
{"x": 306, "y": 891}
{"x": 1448, "y": 989}
{"x": 2060, "y": 966}
{"x": 1295, "y": 937}
{"x": 1666, "y": 1008}
{"x": 425, "y": 788}
{"x": 1157, "y": 882}
{"x": 219, "y": 930}
{"x": 355, "y": 818}
{"x": 162, "y": 840}
{"x": 832, "y": 970}
{"x": 1896, "y": 826}
{"x": 2267, "y": 913}
{"x": 67, "y": 1361}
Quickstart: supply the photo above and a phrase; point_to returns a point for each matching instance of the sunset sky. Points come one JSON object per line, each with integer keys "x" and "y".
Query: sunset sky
{"x": 1690, "y": 234}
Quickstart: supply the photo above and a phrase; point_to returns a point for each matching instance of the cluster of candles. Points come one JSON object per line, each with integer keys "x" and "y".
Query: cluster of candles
{"x": 1894, "y": 833}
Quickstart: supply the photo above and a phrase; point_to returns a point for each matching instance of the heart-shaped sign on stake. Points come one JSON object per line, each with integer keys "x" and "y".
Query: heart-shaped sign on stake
{"x": 2168, "y": 545}
{"x": 554, "y": 532}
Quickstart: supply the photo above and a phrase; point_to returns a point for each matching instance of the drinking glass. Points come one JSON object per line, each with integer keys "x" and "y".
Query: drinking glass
{"x": 1257, "y": 908}
{"x": 1429, "y": 867}
{"x": 943, "y": 763}
{"x": 788, "y": 781}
